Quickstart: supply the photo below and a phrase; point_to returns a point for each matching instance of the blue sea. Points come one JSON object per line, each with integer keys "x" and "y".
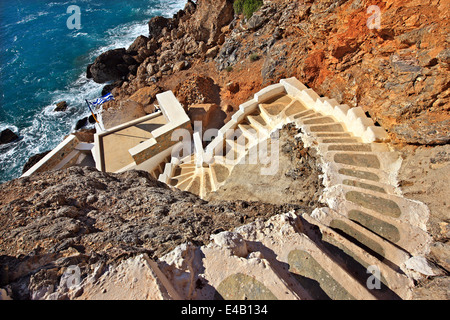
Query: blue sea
{"x": 43, "y": 62}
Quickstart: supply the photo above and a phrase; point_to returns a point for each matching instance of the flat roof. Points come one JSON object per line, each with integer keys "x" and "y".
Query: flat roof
{"x": 117, "y": 144}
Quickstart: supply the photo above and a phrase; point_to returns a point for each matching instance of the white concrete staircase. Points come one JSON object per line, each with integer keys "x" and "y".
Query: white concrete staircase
{"x": 367, "y": 222}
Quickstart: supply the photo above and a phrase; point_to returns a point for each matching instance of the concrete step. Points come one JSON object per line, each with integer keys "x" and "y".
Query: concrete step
{"x": 250, "y": 132}
{"x": 357, "y": 260}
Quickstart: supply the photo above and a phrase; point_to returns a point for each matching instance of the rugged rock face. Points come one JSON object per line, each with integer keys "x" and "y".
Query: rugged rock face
{"x": 81, "y": 216}
{"x": 399, "y": 73}
{"x": 109, "y": 66}
{"x": 34, "y": 160}
{"x": 197, "y": 90}
{"x": 207, "y": 21}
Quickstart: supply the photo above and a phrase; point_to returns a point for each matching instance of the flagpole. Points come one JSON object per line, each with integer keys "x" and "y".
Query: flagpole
{"x": 93, "y": 115}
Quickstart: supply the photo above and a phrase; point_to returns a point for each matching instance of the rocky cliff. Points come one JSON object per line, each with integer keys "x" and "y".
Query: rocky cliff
{"x": 398, "y": 73}
{"x": 83, "y": 217}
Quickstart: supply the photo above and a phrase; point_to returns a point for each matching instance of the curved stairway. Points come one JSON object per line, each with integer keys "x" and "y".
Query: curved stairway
{"x": 366, "y": 223}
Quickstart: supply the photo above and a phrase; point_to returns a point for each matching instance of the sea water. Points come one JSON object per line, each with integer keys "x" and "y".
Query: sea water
{"x": 43, "y": 62}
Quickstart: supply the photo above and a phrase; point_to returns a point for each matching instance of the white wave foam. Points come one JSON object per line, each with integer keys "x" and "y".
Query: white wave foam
{"x": 48, "y": 127}
{"x": 32, "y": 17}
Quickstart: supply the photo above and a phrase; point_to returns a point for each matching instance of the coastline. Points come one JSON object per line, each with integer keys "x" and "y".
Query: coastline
{"x": 42, "y": 129}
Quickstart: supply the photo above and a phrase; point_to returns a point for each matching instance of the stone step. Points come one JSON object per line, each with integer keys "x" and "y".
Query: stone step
{"x": 328, "y": 140}
{"x": 318, "y": 120}
{"x": 294, "y": 108}
{"x": 258, "y": 122}
{"x": 250, "y": 132}
{"x": 183, "y": 177}
{"x": 183, "y": 169}
{"x": 378, "y": 247}
{"x": 349, "y": 147}
{"x": 275, "y": 106}
{"x": 314, "y": 116}
{"x": 71, "y": 158}
{"x": 207, "y": 183}
{"x": 219, "y": 173}
{"x": 302, "y": 115}
{"x": 396, "y": 219}
{"x": 334, "y": 135}
{"x": 384, "y": 161}
{"x": 322, "y": 128}
{"x": 183, "y": 185}
{"x": 195, "y": 185}
{"x": 313, "y": 269}
{"x": 368, "y": 175}
{"x": 356, "y": 260}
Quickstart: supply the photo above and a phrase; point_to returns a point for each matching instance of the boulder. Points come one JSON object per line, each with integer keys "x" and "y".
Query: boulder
{"x": 133, "y": 69}
{"x": 109, "y": 66}
{"x": 88, "y": 71}
{"x": 7, "y": 136}
{"x": 156, "y": 25}
{"x": 33, "y": 160}
{"x": 190, "y": 7}
{"x": 140, "y": 42}
{"x": 191, "y": 48}
{"x": 197, "y": 90}
{"x": 181, "y": 65}
{"x": 145, "y": 96}
{"x": 109, "y": 87}
{"x": 212, "y": 53}
{"x": 129, "y": 59}
{"x": 209, "y": 114}
{"x": 208, "y": 19}
{"x": 61, "y": 106}
{"x": 255, "y": 22}
{"x": 84, "y": 122}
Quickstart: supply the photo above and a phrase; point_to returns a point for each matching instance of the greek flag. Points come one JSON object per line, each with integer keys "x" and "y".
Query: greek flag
{"x": 103, "y": 99}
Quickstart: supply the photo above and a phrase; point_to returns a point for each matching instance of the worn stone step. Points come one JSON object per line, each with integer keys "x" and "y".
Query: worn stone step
{"x": 258, "y": 122}
{"x": 237, "y": 278}
{"x": 366, "y": 239}
{"x": 183, "y": 185}
{"x": 294, "y": 108}
{"x": 368, "y": 175}
{"x": 405, "y": 231}
{"x": 195, "y": 185}
{"x": 334, "y": 135}
{"x": 184, "y": 169}
{"x": 324, "y": 128}
{"x": 386, "y": 161}
{"x": 301, "y": 115}
{"x": 184, "y": 176}
{"x": 316, "y": 115}
{"x": 314, "y": 270}
{"x": 250, "y": 132}
{"x": 339, "y": 140}
{"x": 350, "y": 147}
{"x": 219, "y": 173}
{"x": 318, "y": 120}
{"x": 207, "y": 185}
{"x": 393, "y": 283}
{"x": 276, "y": 105}
{"x": 358, "y": 160}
